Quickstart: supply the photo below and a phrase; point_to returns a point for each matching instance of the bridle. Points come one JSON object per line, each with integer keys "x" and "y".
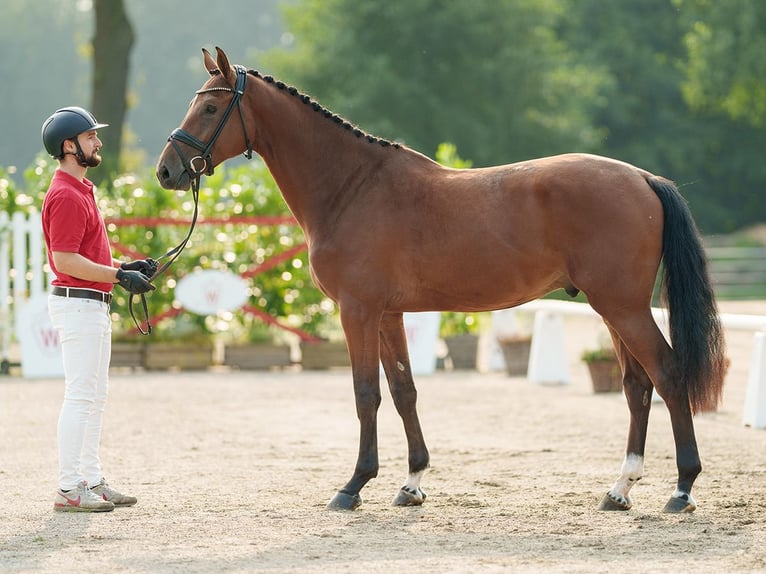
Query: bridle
{"x": 195, "y": 168}
{"x": 179, "y": 135}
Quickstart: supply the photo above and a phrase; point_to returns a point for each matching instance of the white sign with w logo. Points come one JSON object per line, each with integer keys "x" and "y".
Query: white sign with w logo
{"x": 39, "y": 341}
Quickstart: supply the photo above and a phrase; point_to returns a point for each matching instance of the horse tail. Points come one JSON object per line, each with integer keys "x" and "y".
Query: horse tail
{"x": 695, "y": 329}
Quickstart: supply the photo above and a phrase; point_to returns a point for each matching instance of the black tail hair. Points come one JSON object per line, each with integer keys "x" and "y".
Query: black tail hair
{"x": 695, "y": 329}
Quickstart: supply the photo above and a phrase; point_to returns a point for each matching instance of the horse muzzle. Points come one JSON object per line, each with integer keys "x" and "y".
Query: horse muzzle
{"x": 173, "y": 175}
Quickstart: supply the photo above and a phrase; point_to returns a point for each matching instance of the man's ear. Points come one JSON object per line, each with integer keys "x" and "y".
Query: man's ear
{"x": 69, "y": 146}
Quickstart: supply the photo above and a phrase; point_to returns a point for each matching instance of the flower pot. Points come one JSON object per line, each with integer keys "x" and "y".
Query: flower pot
{"x": 605, "y": 375}
{"x": 516, "y": 355}
{"x": 125, "y": 354}
{"x": 257, "y": 356}
{"x": 462, "y": 350}
{"x": 184, "y": 356}
{"x": 324, "y": 355}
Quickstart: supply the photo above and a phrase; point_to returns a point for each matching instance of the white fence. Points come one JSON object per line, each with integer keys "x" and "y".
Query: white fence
{"x": 547, "y": 361}
{"x": 22, "y": 272}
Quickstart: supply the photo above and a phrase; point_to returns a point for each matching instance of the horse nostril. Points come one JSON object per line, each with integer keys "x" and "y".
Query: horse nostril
{"x": 164, "y": 174}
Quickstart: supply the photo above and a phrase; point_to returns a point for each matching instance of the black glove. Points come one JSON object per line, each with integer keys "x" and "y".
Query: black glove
{"x": 134, "y": 281}
{"x": 146, "y": 266}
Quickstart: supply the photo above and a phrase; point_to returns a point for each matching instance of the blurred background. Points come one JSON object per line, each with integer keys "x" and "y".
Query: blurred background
{"x": 677, "y": 87}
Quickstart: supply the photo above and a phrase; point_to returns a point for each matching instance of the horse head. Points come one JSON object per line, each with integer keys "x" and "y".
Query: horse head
{"x": 205, "y": 137}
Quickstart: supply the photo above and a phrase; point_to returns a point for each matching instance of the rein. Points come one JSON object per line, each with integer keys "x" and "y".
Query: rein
{"x": 195, "y": 168}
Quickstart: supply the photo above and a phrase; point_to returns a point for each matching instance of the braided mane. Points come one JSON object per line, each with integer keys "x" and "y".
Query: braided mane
{"x": 317, "y": 107}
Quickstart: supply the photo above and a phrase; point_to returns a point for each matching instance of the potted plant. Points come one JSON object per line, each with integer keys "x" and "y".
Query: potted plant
{"x": 330, "y": 350}
{"x": 604, "y": 368}
{"x": 460, "y": 332}
{"x": 515, "y": 353}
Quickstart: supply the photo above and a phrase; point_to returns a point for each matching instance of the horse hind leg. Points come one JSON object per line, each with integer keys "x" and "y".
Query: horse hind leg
{"x": 643, "y": 340}
{"x": 638, "y": 391}
{"x": 396, "y": 364}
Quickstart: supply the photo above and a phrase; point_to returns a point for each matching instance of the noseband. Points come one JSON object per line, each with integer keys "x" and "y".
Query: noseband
{"x": 195, "y": 168}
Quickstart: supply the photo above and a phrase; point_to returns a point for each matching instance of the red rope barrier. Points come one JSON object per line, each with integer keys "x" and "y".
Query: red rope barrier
{"x": 256, "y": 270}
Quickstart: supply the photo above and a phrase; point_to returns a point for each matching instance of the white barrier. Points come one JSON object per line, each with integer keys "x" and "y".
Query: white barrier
{"x": 548, "y": 348}
{"x": 422, "y": 332}
{"x": 23, "y": 309}
{"x": 6, "y": 325}
{"x": 755, "y": 400}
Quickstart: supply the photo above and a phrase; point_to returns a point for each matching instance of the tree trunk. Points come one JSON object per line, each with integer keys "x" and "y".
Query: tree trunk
{"x": 112, "y": 43}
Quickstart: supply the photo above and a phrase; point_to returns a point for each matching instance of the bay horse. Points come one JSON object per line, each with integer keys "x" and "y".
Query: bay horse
{"x": 390, "y": 231}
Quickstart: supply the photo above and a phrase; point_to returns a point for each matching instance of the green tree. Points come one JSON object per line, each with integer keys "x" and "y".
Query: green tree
{"x": 491, "y": 75}
{"x": 638, "y": 43}
{"x": 726, "y": 69}
{"x": 648, "y": 120}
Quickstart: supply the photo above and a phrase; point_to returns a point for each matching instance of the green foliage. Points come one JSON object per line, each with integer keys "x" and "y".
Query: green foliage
{"x": 492, "y": 76}
{"x": 9, "y": 194}
{"x": 454, "y": 323}
{"x": 726, "y": 69}
{"x": 285, "y": 291}
{"x": 600, "y": 354}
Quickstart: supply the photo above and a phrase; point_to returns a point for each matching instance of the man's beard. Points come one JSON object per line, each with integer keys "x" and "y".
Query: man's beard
{"x": 94, "y": 160}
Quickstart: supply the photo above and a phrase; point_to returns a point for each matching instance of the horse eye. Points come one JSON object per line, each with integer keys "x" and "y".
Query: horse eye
{"x": 210, "y": 109}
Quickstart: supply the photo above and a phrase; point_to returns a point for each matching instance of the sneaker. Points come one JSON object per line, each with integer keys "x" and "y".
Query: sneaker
{"x": 81, "y": 499}
{"x": 103, "y": 490}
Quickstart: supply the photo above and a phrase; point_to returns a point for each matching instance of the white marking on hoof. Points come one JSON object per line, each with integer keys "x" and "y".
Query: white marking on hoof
{"x": 631, "y": 472}
{"x": 412, "y": 486}
{"x": 686, "y": 497}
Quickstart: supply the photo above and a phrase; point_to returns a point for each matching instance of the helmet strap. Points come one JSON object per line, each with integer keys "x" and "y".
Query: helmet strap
{"x": 80, "y": 155}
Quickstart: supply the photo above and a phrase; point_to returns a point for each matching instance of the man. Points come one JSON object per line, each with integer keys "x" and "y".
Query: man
{"x": 80, "y": 257}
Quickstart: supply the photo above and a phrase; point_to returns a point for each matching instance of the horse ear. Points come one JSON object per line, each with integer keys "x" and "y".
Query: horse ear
{"x": 224, "y": 66}
{"x": 210, "y": 64}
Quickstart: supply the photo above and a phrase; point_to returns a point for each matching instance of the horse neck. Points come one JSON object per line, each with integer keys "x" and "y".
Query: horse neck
{"x": 314, "y": 161}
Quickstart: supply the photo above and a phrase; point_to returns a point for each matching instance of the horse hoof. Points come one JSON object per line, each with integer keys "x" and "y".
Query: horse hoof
{"x": 679, "y": 504}
{"x": 609, "y": 503}
{"x": 344, "y": 501}
{"x": 407, "y": 498}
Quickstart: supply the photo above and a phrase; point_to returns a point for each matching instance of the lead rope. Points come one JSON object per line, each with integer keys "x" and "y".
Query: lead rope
{"x": 195, "y": 174}
{"x": 172, "y": 254}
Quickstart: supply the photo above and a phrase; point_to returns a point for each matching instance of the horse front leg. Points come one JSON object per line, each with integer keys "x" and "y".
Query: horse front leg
{"x": 396, "y": 363}
{"x": 362, "y": 338}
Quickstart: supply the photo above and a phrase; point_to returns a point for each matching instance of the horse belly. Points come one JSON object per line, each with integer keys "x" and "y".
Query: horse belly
{"x": 481, "y": 280}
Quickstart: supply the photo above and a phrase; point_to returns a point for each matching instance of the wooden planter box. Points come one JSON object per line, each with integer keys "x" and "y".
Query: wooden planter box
{"x": 184, "y": 356}
{"x": 605, "y": 376}
{"x": 463, "y": 350}
{"x": 516, "y": 355}
{"x": 128, "y": 355}
{"x": 257, "y": 356}
{"x": 324, "y": 355}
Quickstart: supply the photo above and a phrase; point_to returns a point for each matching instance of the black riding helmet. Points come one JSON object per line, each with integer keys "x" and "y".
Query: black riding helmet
{"x": 64, "y": 124}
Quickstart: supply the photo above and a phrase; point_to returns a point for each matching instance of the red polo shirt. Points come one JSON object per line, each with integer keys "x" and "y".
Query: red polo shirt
{"x": 72, "y": 223}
